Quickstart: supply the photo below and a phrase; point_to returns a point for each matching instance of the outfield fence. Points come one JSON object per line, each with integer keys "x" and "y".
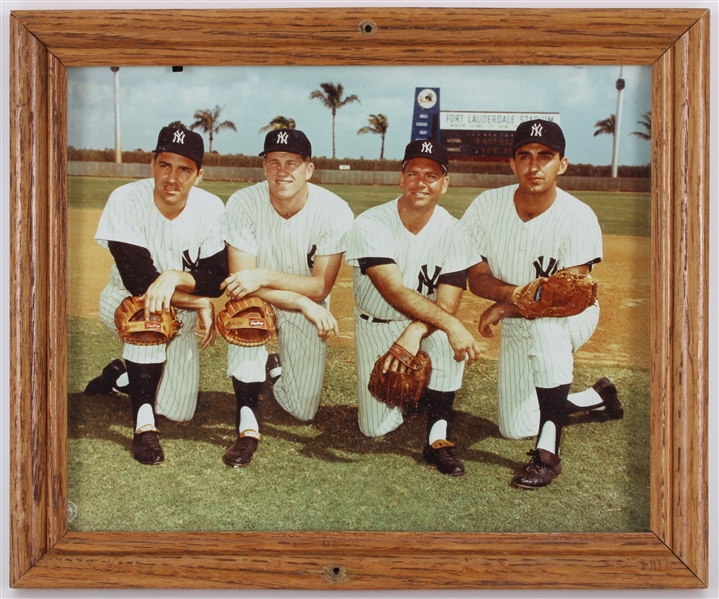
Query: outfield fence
{"x": 328, "y": 177}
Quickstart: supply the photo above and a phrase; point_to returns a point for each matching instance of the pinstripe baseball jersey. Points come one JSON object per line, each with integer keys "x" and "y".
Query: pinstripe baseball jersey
{"x": 439, "y": 248}
{"x": 287, "y": 245}
{"x": 130, "y": 216}
{"x": 565, "y": 235}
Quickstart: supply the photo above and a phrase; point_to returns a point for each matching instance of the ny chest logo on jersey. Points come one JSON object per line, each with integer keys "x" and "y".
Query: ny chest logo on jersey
{"x": 188, "y": 264}
{"x": 426, "y": 281}
{"x": 311, "y": 256}
{"x": 542, "y": 271}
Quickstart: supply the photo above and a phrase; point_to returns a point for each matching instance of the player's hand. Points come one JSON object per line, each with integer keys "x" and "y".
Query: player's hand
{"x": 321, "y": 317}
{"x": 159, "y": 294}
{"x": 463, "y": 343}
{"x": 489, "y": 318}
{"x": 245, "y": 282}
{"x": 205, "y": 329}
{"x": 410, "y": 339}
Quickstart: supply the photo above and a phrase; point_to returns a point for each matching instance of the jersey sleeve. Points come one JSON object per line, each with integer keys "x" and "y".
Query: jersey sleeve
{"x": 337, "y": 225}
{"x": 471, "y": 229}
{"x": 462, "y": 253}
{"x": 239, "y": 228}
{"x": 583, "y": 244}
{"x": 368, "y": 238}
{"x": 120, "y": 222}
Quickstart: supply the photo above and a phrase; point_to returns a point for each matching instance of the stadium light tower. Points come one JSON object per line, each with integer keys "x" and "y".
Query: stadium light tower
{"x": 617, "y": 123}
{"x": 118, "y": 135}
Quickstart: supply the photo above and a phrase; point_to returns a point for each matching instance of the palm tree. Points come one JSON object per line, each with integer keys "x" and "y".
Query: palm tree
{"x": 646, "y": 122}
{"x": 332, "y": 99}
{"x": 605, "y": 127}
{"x": 209, "y": 121}
{"x": 279, "y": 122}
{"x": 377, "y": 124}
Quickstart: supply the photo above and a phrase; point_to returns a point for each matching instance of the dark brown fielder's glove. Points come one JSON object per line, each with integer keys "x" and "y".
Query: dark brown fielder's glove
{"x": 135, "y": 330}
{"x": 401, "y": 389}
{"x": 249, "y": 322}
{"x": 562, "y": 294}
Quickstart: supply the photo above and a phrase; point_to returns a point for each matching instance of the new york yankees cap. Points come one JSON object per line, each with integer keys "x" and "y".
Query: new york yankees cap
{"x": 426, "y": 148}
{"x": 538, "y": 131}
{"x": 287, "y": 140}
{"x": 182, "y": 141}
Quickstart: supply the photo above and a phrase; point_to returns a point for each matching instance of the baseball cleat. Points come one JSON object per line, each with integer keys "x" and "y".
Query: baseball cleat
{"x": 443, "y": 459}
{"x": 542, "y": 469}
{"x": 613, "y": 408}
{"x": 146, "y": 448}
{"x": 240, "y": 453}
{"x": 273, "y": 369}
{"x": 105, "y": 383}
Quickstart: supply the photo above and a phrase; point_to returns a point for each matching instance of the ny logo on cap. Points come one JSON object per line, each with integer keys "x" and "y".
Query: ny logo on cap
{"x": 179, "y": 137}
{"x": 536, "y": 130}
{"x": 282, "y": 138}
{"x": 427, "y": 147}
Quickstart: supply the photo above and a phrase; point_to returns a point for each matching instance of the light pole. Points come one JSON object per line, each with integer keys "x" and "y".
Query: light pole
{"x": 118, "y": 134}
{"x": 617, "y": 123}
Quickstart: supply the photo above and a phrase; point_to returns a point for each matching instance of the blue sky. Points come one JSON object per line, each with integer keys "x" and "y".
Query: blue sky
{"x": 152, "y": 97}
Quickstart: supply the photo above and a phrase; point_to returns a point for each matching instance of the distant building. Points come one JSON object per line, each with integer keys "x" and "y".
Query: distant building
{"x": 469, "y": 135}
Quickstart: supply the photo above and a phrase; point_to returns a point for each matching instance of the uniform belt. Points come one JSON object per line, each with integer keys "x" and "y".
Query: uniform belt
{"x": 373, "y": 319}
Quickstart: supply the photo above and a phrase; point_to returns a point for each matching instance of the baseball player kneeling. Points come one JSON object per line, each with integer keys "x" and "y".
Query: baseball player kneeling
{"x": 165, "y": 235}
{"x": 410, "y": 269}
{"x": 535, "y": 245}
{"x": 285, "y": 239}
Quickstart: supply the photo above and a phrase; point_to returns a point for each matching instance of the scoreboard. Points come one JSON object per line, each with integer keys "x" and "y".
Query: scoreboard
{"x": 484, "y": 136}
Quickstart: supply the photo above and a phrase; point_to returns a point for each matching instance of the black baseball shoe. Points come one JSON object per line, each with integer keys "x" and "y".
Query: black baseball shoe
{"x": 542, "y": 469}
{"x": 613, "y": 408}
{"x": 441, "y": 455}
{"x": 241, "y": 452}
{"x": 106, "y": 382}
{"x": 273, "y": 369}
{"x": 146, "y": 448}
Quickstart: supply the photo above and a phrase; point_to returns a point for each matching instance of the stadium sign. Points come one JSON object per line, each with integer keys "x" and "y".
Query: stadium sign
{"x": 490, "y": 121}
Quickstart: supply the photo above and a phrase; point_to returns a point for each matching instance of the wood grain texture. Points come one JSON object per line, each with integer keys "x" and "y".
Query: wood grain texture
{"x": 673, "y": 554}
{"x": 333, "y": 36}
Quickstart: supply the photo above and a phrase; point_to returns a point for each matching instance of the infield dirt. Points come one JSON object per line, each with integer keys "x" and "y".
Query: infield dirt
{"x": 624, "y": 277}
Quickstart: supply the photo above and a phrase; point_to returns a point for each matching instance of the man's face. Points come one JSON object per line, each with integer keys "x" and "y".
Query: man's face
{"x": 422, "y": 182}
{"x": 174, "y": 176}
{"x": 287, "y": 174}
{"x": 537, "y": 167}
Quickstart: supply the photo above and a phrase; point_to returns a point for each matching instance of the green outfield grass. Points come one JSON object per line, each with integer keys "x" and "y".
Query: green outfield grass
{"x": 325, "y": 475}
{"x": 618, "y": 213}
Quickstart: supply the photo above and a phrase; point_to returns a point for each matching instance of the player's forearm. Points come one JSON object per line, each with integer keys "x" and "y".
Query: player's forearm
{"x": 287, "y": 300}
{"x": 491, "y": 288}
{"x": 181, "y": 299}
{"x": 312, "y": 287}
{"x": 185, "y": 282}
{"x": 416, "y": 306}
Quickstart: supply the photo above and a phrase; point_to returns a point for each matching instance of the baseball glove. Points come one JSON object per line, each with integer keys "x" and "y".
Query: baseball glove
{"x": 249, "y": 321}
{"x": 401, "y": 389}
{"x": 562, "y": 294}
{"x": 135, "y": 330}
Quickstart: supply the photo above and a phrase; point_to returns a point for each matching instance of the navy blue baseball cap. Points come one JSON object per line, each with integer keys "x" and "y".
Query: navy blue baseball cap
{"x": 538, "y": 131}
{"x": 287, "y": 140}
{"x": 426, "y": 148}
{"x": 182, "y": 141}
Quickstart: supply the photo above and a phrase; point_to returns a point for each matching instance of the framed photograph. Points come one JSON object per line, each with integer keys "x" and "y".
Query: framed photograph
{"x": 673, "y": 553}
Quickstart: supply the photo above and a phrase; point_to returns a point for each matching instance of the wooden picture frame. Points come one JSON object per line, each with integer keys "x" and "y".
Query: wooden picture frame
{"x": 674, "y": 554}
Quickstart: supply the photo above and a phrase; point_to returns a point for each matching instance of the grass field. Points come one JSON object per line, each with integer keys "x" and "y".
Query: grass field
{"x": 325, "y": 475}
{"x": 618, "y": 213}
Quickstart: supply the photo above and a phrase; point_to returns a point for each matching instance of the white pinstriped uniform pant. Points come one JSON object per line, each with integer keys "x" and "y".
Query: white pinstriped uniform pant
{"x": 536, "y": 353}
{"x": 177, "y": 391}
{"x": 302, "y": 354}
{"x": 373, "y": 340}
